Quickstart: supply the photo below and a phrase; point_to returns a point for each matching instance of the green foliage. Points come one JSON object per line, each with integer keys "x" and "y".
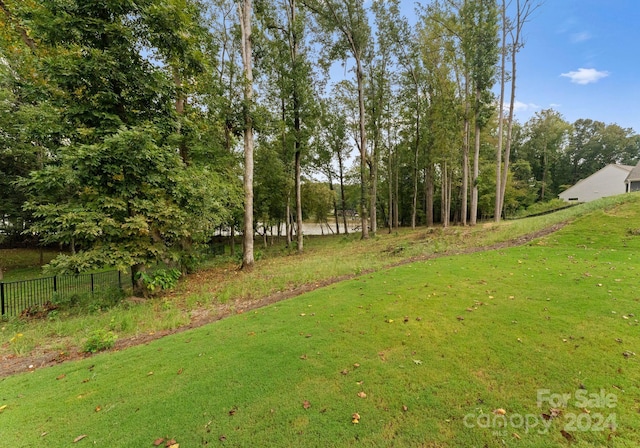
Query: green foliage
{"x": 99, "y": 340}
{"x": 160, "y": 279}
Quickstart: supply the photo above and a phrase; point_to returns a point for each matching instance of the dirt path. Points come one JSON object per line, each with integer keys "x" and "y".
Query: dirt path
{"x": 12, "y": 364}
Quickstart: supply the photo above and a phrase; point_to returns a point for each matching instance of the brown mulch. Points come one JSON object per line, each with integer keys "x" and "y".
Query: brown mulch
{"x": 12, "y": 364}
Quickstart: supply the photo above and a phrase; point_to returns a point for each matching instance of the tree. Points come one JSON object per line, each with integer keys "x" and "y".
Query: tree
{"x": 245, "y": 13}
{"x": 118, "y": 179}
{"x": 546, "y": 138}
{"x": 290, "y": 71}
{"x": 480, "y": 46}
{"x": 348, "y": 18}
{"x": 513, "y": 27}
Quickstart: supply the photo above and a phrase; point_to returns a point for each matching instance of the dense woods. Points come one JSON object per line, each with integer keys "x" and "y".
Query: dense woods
{"x": 133, "y": 131}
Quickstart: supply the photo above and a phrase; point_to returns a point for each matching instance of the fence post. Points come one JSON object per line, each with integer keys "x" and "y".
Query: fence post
{"x": 55, "y": 283}
{"x": 119, "y": 280}
{"x": 2, "y": 298}
{"x": 92, "y": 283}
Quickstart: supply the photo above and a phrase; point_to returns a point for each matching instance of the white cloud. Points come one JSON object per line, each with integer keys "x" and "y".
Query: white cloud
{"x": 580, "y": 37}
{"x": 519, "y": 106}
{"x": 585, "y": 75}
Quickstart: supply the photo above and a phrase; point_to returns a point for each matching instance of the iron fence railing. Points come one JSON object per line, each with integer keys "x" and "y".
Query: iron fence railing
{"x": 17, "y": 296}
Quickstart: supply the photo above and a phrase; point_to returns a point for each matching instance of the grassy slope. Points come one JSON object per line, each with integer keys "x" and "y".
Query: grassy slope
{"x": 544, "y": 316}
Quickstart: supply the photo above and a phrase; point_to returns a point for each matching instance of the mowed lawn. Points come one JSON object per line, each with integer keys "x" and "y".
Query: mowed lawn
{"x": 533, "y": 346}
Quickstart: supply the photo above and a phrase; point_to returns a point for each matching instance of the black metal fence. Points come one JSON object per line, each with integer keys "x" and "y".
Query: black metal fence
{"x": 17, "y": 296}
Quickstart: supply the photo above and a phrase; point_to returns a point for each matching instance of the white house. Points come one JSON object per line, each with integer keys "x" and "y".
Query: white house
{"x": 609, "y": 181}
{"x": 632, "y": 181}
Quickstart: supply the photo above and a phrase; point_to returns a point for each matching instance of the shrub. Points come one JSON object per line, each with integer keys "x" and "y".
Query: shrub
{"x": 99, "y": 340}
{"x": 160, "y": 279}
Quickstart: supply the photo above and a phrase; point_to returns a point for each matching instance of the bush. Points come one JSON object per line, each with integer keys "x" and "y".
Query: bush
{"x": 99, "y": 340}
{"x": 160, "y": 279}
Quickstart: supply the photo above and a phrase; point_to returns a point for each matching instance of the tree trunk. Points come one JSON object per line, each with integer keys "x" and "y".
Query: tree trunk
{"x": 465, "y": 167}
{"x": 476, "y": 165}
{"x": 136, "y": 280}
{"x": 363, "y": 148}
{"x": 342, "y": 195}
{"x": 429, "y": 187}
{"x": 245, "y": 26}
{"x": 497, "y": 213}
{"x": 373, "y": 208}
{"x": 299, "y": 234}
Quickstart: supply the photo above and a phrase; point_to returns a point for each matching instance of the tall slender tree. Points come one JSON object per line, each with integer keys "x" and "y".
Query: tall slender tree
{"x": 245, "y": 15}
{"x": 348, "y": 18}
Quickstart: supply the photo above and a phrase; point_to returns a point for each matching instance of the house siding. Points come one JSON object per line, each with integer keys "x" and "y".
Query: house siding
{"x": 609, "y": 181}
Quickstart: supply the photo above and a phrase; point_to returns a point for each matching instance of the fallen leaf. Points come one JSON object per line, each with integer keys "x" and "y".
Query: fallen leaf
{"x": 180, "y": 371}
{"x": 44, "y": 434}
{"x": 405, "y": 408}
{"x": 344, "y": 372}
{"x": 79, "y": 438}
{"x": 567, "y": 435}
{"x": 362, "y": 395}
{"x": 306, "y": 404}
{"x": 417, "y": 362}
{"x": 61, "y": 376}
{"x": 222, "y": 438}
{"x": 98, "y": 408}
{"x": 232, "y": 412}
{"x": 355, "y": 418}
{"x": 3, "y": 407}
{"x": 303, "y": 357}
{"x": 170, "y": 443}
{"x": 158, "y": 441}
{"x": 499, "y": 411}
{"x": 516, "y": 436}
{"x": 150, "y": 373}
{"x": 459, "y": 317}
{"x": 356, "y": 365}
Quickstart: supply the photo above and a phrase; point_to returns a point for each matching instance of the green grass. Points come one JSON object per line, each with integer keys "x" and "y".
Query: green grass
{"x": 23, "y": 264}
{"x": 484, "y": 331}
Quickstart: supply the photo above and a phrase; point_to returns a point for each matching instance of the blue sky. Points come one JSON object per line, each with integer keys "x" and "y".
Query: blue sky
{"x": 582, "y": 58}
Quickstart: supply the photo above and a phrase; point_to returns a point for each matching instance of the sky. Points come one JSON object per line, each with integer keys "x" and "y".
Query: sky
{"x": 582, "y": 59}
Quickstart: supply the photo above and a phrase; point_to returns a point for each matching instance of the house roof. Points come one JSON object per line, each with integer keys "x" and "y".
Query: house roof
{"x": 627, "y": 168}
{"x": 634, "y": 175}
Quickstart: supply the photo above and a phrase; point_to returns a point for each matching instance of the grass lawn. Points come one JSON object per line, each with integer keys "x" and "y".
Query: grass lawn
{"x": 23, "y": 264}
{"x": 461, "y": 351}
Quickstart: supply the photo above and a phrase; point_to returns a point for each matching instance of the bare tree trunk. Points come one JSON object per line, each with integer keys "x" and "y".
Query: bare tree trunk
{"x": 390, "y": 184}
{"x": 476, "y": 166}
{"x": 465, "y": 166}
{"x": 524, "y": 9}
{"x": 414, "y": 203}
{"x": 299, "y": 235}
{"x": 363, "y": 149}
{"x": 343, "y": 200}
{"x": 373, "y": 208}
{"x": 245, "y": 27}
{"x": 429, "y": 187}
{"x": 287, "y": 222}
{"x": 497, "y": 213}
